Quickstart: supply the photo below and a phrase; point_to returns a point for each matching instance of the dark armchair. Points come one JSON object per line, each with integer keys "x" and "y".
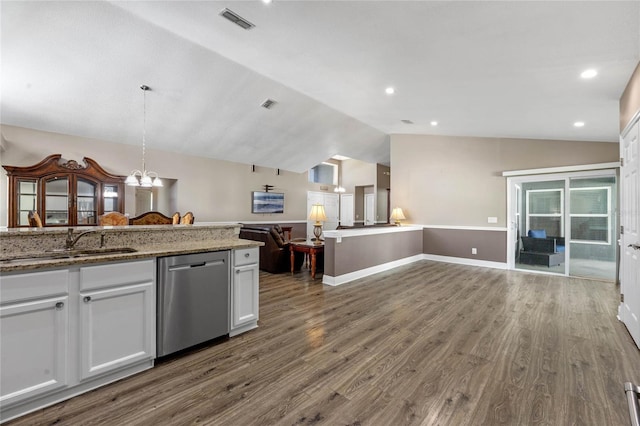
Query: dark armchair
{"x": 538, "y": 249}
{"x": 275, "y": 256}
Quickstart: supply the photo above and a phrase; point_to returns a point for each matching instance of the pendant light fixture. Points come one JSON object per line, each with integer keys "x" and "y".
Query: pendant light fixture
{"x": 144, "y": 178}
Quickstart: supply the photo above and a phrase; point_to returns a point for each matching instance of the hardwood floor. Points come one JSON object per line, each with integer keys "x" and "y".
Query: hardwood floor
{"x": 428, "y": 343}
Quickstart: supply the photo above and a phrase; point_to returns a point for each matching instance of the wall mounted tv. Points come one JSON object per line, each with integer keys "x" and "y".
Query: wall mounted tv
{"x": 267, "y": 202}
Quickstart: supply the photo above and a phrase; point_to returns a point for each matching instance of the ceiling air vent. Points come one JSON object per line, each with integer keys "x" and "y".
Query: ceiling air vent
{"x": 407, "y": 121}
{"x": 268, "y": 104}
{"x": 236, "y": 19}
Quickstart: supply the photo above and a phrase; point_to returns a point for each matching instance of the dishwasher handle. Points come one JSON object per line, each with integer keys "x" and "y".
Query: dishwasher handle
{"x": 195, "y": 265}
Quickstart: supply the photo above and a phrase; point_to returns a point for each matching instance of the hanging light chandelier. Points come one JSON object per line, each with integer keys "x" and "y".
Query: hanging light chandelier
{"x": 144, "y": 178}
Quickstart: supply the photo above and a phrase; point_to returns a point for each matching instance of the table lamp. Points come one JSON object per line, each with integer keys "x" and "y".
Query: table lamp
{"x": 317, "y": 213}
{"x": 397, "y": 215}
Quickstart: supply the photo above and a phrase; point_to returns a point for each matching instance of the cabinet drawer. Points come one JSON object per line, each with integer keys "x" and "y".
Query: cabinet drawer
{"x": 32, "y": 285}
{"x": 245, "y": 256}
{"x": 115, "y": 274}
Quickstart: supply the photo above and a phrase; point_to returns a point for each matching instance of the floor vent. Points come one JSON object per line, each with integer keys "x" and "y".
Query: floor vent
{"x": 236, "y": 19}
{"x": 268, "y": 103}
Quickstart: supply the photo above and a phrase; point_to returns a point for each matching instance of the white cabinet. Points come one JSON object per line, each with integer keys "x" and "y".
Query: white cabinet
{"x": 34, "y": 339}
{"x": 116, "y": 316}
{"x": 71, "y": 330}
{"x": 244, "y": 291}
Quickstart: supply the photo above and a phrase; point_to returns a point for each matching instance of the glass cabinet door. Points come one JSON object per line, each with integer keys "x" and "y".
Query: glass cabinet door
{"x": 86, "y": 202}
{"x": 27, "y": 200}
{"x": 56, "y": 209}
{"x": 110, "y": 198}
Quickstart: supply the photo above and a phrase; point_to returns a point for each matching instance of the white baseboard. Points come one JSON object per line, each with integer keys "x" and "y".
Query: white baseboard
{"x": 341, "y": 279}
{"x": 351, "y": 276}
{"x": 465, "y": 261}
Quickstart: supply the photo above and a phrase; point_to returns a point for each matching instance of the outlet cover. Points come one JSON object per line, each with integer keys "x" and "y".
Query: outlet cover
{"x": 474, "y": 251}
{"x": 492, "y": 219}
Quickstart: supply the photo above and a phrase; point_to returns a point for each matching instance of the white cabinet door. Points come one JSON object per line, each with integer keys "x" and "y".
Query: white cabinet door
{"x": 117, "y": 328}
{"x": 244, "y": 296}
{"x": 33, "y": 348}
{"x": 116, "y": 316}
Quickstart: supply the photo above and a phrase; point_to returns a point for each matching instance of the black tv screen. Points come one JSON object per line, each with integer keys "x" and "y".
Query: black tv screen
{"x": 267, "y": 202}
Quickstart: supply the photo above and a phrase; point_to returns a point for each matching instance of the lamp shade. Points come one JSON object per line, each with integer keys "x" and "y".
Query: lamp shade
{"x": 397, "y": 214}
{"x": 317, "y": 213}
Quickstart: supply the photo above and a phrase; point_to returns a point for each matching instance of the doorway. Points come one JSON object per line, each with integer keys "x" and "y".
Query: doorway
{"x": 369, "y": 209}
{"x": 565, "y": 224}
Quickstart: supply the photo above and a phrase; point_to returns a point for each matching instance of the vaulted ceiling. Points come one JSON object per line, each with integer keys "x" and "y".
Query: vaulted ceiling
{"x": 478, "y": 68}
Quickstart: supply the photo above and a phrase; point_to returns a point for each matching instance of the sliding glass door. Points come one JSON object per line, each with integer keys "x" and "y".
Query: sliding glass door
{"x": 542, "y": 227}
{"x": 593, "y": 227}
{"x": 565, "y": 224}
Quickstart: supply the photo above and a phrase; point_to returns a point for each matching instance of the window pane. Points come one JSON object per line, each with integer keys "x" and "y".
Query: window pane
{"x": 110, "y": 204}
{"x": 86, "y": 189}
{"x": 23, "y": 219}
{"x": 27, "y": 187}
{"x": 589, "y": 229}
{"x": 552, "y": 225}
{"x": 545, "y": 202}
{"x": 324, "y": 173}
{"x": 589, "y": 201}
{"x": 56, "y": 217}
{"x": 56, "y": 187}
{"x": 27, "y": 202}
{"x": 86, "y": 218}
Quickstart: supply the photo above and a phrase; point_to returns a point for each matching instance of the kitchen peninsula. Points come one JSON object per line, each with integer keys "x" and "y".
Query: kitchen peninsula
{"x": 78, "y": 318}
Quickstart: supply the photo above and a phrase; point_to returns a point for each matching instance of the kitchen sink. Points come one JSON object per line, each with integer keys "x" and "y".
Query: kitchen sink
{"x": 66, "y": 254}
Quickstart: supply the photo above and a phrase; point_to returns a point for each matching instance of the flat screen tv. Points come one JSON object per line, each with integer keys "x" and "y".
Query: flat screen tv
{"x": 267, "y": 202}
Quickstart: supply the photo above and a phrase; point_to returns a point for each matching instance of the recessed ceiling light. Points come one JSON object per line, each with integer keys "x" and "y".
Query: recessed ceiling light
{"x": 389, "y": 90}
{"x": 434, "y": 123}
{"x": 579, "y": 124}
{"x": 589, "y": 73}
{"x": 266, "y": 1}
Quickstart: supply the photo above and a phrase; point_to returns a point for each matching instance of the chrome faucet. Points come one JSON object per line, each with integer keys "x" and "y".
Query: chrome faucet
{"x": 71, "y": 241}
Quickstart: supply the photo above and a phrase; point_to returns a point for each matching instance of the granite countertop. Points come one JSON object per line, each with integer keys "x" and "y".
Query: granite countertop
{"x": 9, "y": 263}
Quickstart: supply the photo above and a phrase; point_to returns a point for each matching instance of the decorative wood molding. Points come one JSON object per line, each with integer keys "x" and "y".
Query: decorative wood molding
{"x": 55, "y": 164}
{"x": 72, "y": 165}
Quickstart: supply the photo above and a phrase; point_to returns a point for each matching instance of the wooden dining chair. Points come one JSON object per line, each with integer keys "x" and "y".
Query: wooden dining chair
{"x": 187, "y": 219}
{"x": 34, "y": 220}
{"x": 113, "y": 219}
{"x": 151, "y": 218}
{"x": 175, "y": 218}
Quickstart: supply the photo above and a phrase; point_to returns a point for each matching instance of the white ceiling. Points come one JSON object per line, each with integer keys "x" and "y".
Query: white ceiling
{"x": 480, "y": 68}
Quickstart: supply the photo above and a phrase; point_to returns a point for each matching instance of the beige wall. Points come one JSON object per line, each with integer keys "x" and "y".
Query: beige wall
{"x": 630, "y": 100}
{"x": 215, "y": 191}
{"x": 456, "y": 181}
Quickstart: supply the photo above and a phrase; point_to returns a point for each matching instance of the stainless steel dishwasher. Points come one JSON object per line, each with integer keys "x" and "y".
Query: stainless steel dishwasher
{"x": 193, "y": 300}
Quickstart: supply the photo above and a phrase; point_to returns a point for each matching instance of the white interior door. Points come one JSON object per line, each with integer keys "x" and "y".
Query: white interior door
{"x": 331, "y": 209}
{"x": 629, "y": 311}
{"x": 346, "y": 209}
{"x": 369, "y": 209}
{"x": 330, "y": 203}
